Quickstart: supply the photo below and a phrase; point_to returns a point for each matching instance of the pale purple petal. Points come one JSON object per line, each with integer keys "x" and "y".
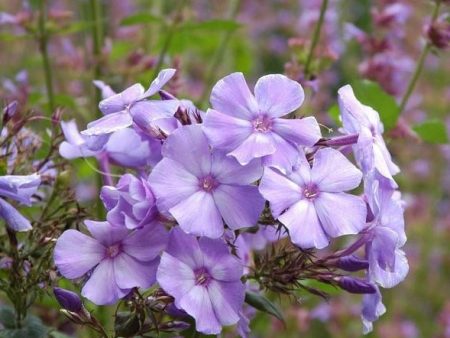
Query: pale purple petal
{"x": 146, "y": 113}
{"x": 203, "y": 218}
{"x": 163, "y": 77}
{"x": 305, "y": 131}
{"x": 121, "y": 101}
{"x": 101, "y": 288}
{"x": 197, "y": 303}
{"x": 280, "y": 191}
{"x": 227, "y": 170}
{"x": 285, "y": 156}
{"x": 333, "y": 172}
{"x": 106, "y": 233}
{"x": 232, "y": 96}
{"x": 340, "y": 213}
{"x": 372, "y": 309}
{"x": 304, "y": 227}
{"x": 224, "y": 131}
{"x": 109, "y": 124}
{"x": 255, "y": 146}
{"x": 19, "y": 187}
{"x": 185, "y": 248}
{"x": 130, "y": 273}
{"x": 227, "y": 299}
{"x": 189, "y": 146}
{"x": 13, "y": 219}
{"x": 390, "y": 278}
{"x": 277, "y": 95}
{"x": 71, "y": 133}
{"x": 381, "y": 250}
{"x": 106, "y": 90}
{"x": 146, "y": 244}
{"x": 175, "y": 277}
{"x": 172, "y": 183}
{"x": 220, "y": 263}
{"x": 75, "y": 254}
{"x": 240, "y": 206}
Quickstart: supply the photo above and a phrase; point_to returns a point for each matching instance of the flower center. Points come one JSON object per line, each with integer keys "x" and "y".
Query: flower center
{"x": 262, "y": 124}
{"x": 202, "y": 277}
{"x": 311, "y": 191}
{"x": 113, "y": 250}
{"x": 208, "y": 183}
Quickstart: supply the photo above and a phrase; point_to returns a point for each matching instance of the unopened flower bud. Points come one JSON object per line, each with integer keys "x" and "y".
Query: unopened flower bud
{"x": 439, "y": 34}
{"x": 9, "y": 111}
{"x": 68, "y": 300}
{"x": 356, "y": 285}
{"x": 166, "y": 95}
{"x": 351, "y": 263}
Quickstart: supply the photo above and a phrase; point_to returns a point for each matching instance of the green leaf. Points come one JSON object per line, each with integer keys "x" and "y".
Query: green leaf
{"x": 140, "y": 18}
{"x": 432, "y": 131}
{"x": 32, "y": 326}
{"x": 371, "y": 94}
{"x": 210, "y": 25}
{"x": 261, "y": 303}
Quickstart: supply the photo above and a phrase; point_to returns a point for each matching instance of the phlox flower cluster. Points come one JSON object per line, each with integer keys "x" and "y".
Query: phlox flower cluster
{"x": 204, "y": 184}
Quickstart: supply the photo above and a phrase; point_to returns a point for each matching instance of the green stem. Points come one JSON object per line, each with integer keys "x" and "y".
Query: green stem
{"x": 43, "y": 40}
{"x": 220, "y": 51}
{"x": 420, "y": 63}
{"x": 97, "y": 40}
{"x": 169, "y": 36}
{"x": 316, "y": 37}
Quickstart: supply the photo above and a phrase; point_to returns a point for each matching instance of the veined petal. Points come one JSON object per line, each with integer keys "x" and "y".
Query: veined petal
{"x": 277, "y": 95}
{"x": 145, "y": 113}
{"x": 232, "y": 96}
{"x": 163, "y": 77}
{"x": 255, "y": 146}
{"x": 172, "y": 183}
{"x": 285, "y": 156}
{"x": 227, "y": 299}
{"x": 279, "y": 190}
{"x": 147, "y": 243}
{"x": 340, "y": 213}
{"x": 119, "y": 102}
{"x": 227, "y": 170}
{"x": 197, "y": 303}
{"x": 109, "y": 124}
{"x": 14, "y": 219}
{"x": 109, "y": 292}
{"x": 304, "y": 227}
{"x": 75, "y": 254}
{"x": 304, "y": 132}
{"x": 333, "y": 172}
{"x": 106, "y": 233}
{"x": 224, "y": 131}
{"x": 240, "y": 206}
{"x": 390, "y": 278}
{"x": 189, "y": 146}
{"x": 203, "y": 218}
{"x": 130, "y": 273}
{"x": 185, "y": 248}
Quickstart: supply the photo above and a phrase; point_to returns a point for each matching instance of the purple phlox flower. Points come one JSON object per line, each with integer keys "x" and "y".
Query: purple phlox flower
{"x": 311, "y": 201}
{"x": 204, "y": 189}
{"x": 129, "y": 106}
{"x": 125, "y": 147}
{"x": 372, "y": 309}
{"x": 205, "y": 280}
{"x": 388, "y": 265}
{"x": 114, "y": 258}
{"x": 248, "y": 126}
{"x": 130, "y": 202}
{"x": 370, "y": 151}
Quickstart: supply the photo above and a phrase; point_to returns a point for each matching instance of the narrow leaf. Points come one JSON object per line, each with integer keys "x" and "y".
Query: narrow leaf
{"x": 261, "y": 303}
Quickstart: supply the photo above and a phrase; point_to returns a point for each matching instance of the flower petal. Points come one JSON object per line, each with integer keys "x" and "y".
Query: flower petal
{"x": 146, "y": 113}
{"x": 232, "y": 96}
{"x": 147, "y": 243}
{"x": 189, "y": 146}
{"x": 109, "y": 124}
{"x": 103, "y": 276}
{"x": 75, "y": 254}
{"x": 175, "y": 277}
{"x": 119, "y": 102}
{"x": 333, "y": 172}
{"x": 224, "y": 131}
{"x": 197, "y": 303}
{"x": 227, "y": 299}
{"x": 185, "y": 248}
{"x": 304, "y": 226}
{"x": 203, "y": 218}
{"x": 255, "y": 146}
{"x": 279, "y": 190}
{"x": 105, "y": 232}
{"x": 163, "y": 77}
{"x": 285, "y": 156}
{"x": 340, "y": 213}
{"x": 390, "y": 278}
{"x": 240, "y": 206}
{"x": 172, "y": 183}
{"x": 14, "y": 219}
{"x": 304, "y": 132}
{"x": 277, "y": 95}
{"x": 227, "y": 170}
{"x": 130, "y": 273}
